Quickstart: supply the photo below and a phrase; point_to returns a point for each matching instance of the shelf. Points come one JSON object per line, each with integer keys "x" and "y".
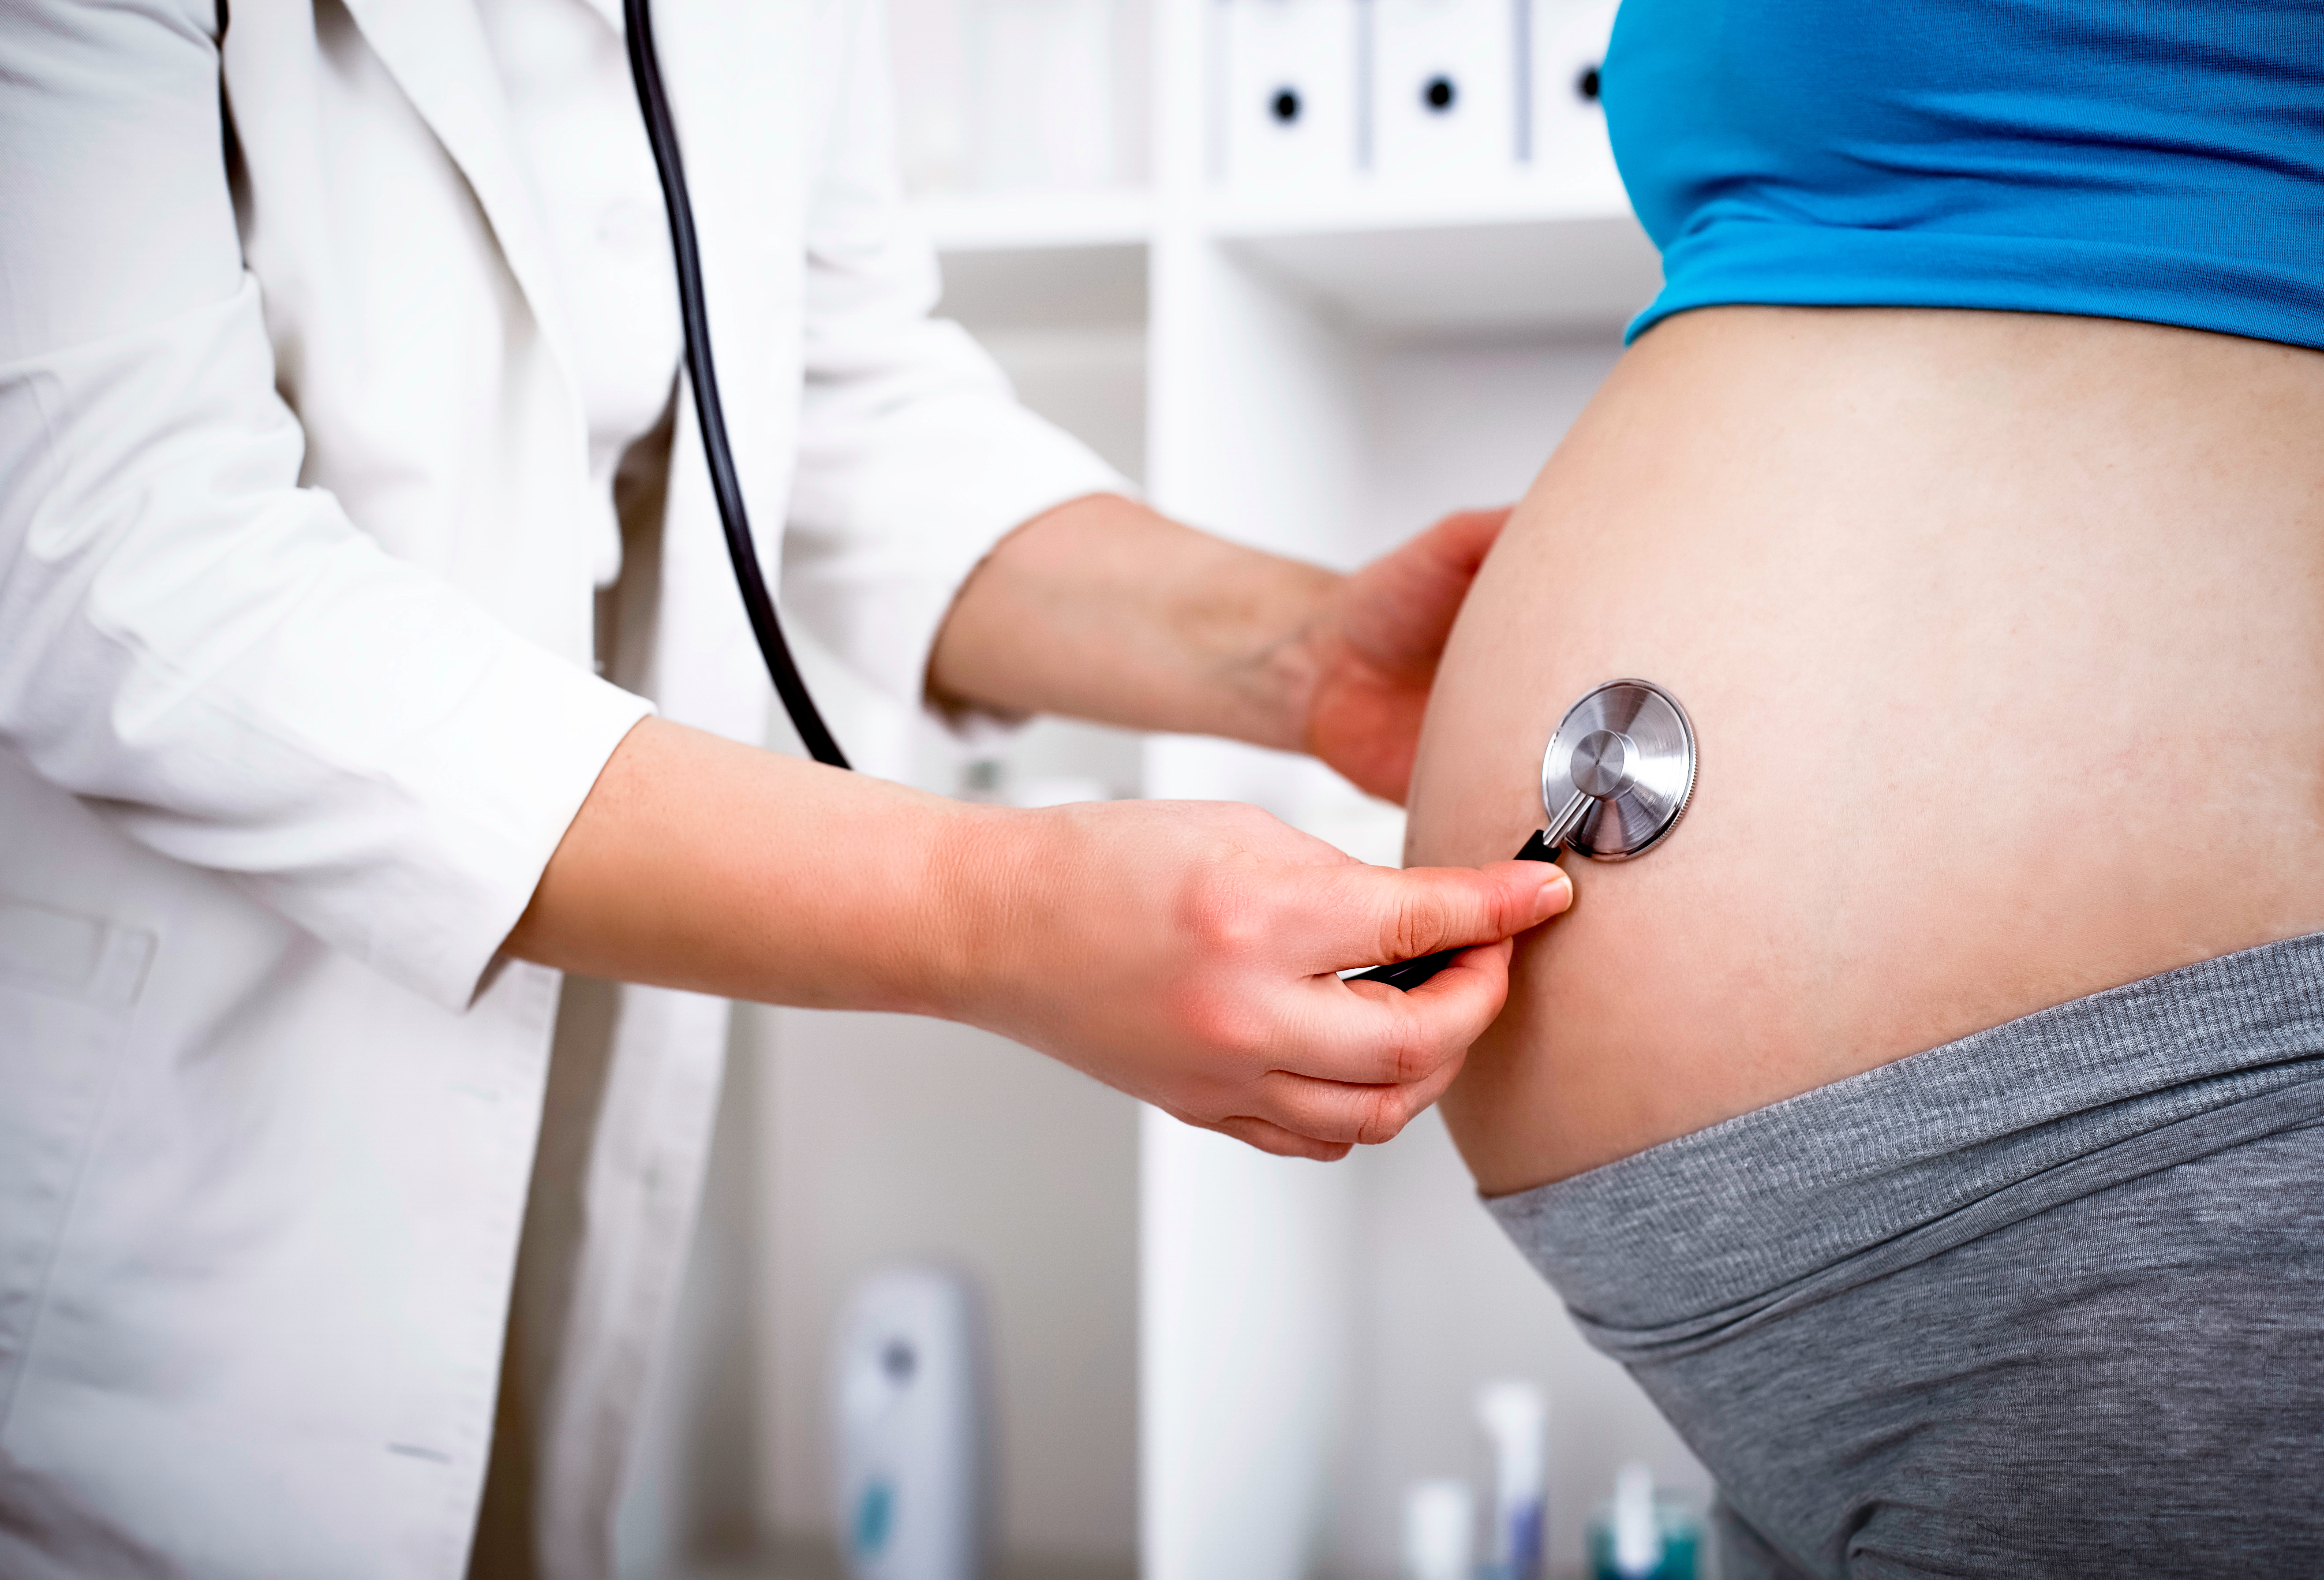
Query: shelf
{"x": 1400, "y": 271}
{"x": 1584, "y": 188}
{"x": 1541, "y": 258}
{"x": 1041, "y": 259}
{"x": 1034, "y": 221}
{"x": 1104, "y": 217}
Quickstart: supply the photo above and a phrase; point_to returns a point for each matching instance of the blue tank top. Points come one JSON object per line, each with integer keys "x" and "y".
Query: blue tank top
{"x": 2158, "y": 160}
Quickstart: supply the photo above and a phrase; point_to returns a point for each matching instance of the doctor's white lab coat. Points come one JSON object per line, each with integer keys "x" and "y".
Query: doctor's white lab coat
{"x": 296, "y": 699}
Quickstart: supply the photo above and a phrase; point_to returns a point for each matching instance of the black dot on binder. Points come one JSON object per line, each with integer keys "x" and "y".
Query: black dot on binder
{"x": 1286, "y": 105}
{"x": 1586, "y": 85}
{"x": 1439, "y": 94}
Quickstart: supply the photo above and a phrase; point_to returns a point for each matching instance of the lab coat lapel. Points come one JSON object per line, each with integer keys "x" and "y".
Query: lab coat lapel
{"x": 437, "y": 52}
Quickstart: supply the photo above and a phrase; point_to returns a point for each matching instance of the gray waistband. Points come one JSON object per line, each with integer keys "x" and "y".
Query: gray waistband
{"x": 1701, "y": 1231}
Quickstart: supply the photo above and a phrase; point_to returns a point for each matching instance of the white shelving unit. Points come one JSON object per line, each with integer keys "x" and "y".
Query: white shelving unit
{"x": 1320, "y": 372}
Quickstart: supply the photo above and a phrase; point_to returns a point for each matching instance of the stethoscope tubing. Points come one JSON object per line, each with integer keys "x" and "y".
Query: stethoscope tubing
{"x": 725, "y": 482}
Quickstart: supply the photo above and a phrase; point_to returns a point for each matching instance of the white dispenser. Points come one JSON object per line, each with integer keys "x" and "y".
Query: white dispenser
{"x": 1443, "y": 90}
{"x": 908, "y": 1417}
{"x": 1288, "y": 94}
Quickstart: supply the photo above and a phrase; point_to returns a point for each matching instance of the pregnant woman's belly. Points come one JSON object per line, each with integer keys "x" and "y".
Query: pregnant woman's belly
{"x": 2002, "y": 637}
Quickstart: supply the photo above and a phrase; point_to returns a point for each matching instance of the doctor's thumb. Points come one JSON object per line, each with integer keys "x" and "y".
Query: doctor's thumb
{"x": 1398, "y": 916}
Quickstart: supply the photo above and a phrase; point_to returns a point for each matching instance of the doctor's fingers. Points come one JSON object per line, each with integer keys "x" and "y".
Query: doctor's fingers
{"x": 1378, "y": 914}
{"x": 1362, "y": 1035}
{"x": 1354, "y": 1068}
{"x": 1270, "y": 1137}
{"x": 1341, "y": 1113}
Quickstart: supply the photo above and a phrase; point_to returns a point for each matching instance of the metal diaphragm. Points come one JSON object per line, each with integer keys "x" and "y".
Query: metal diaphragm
{"x": 1630, "y": 748}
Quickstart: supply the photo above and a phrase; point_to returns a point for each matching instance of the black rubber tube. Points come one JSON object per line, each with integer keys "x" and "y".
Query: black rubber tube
{"x": 725, "y": 483}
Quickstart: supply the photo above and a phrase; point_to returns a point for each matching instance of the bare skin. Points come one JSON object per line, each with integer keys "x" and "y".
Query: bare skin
{"x": 2003, "y": 636}
{"x": 1184, "y": 952}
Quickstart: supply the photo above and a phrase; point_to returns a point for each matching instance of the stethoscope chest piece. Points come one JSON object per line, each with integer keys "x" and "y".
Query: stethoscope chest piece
{"x": 1618, "y": 772}
{"x": 1615, "y": 781}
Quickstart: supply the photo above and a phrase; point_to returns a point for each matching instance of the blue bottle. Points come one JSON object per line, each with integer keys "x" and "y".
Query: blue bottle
{"x": 1642, "y": 1536}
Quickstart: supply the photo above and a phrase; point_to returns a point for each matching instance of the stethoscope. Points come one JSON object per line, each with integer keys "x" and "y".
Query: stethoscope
{"x": 1615, "y": 780}
{"x": 1616, "y": 775}
{"x": 725, "y": 485}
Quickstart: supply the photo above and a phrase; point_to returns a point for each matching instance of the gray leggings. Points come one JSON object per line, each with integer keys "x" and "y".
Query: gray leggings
{"x": 2048, "y": 1300}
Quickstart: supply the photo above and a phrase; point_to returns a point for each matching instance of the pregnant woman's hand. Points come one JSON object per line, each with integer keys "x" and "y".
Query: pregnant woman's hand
{"x": 1187, "y": 952}
{"x": 1374, "y": 654}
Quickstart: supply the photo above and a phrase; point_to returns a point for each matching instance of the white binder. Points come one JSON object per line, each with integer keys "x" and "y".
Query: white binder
{"x": 1289, "y": 93}
{"x": 1042, "y": 111}
{"x": 1444, "y": 90}
{"x": 1568, "y": 128}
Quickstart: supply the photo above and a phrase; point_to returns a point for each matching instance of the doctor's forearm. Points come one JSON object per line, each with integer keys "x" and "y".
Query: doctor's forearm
{"x": 1102, "y": 609}
{"x": 1184, "y": 952}
{"x": 701, "y": 864}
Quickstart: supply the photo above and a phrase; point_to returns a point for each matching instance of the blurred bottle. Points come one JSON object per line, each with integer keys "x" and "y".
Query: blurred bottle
{"x": 1440, "y": 1531}
{"x": 909, "y": 1410}
{"x": 1642, "y": 1534}
{"x": 1515, "y": 1418}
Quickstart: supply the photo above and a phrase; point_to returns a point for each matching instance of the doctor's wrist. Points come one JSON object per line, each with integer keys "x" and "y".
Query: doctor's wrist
{"x": 1270, "y": 686}
{"x": 1028, "y": 905}
{"x": 960, "y": 914}
{"x": 1102, "y": 609}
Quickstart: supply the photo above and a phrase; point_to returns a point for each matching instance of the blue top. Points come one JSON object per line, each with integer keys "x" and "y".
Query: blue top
{"x": 2159, "y": 160}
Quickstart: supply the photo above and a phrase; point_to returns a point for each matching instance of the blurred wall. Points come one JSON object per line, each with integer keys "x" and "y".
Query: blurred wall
{"x": 887, "y": 1137}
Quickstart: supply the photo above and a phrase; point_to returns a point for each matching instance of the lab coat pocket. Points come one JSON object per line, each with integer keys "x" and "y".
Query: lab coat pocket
{"x": 68, "y": 986}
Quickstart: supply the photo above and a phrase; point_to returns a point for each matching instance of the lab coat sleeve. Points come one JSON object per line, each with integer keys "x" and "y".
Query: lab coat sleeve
{"x": 915, "y": 457}
{"x": 212, "y": 656}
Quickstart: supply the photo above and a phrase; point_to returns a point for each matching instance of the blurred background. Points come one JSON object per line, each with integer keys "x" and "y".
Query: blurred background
{"x": 1313, "y": 273}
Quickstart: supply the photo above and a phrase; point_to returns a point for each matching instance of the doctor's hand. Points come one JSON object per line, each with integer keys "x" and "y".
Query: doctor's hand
{"x": 1100, "y": 609}
{"x": 1373, "y": 651}
{"x": 1187, "y": 952}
